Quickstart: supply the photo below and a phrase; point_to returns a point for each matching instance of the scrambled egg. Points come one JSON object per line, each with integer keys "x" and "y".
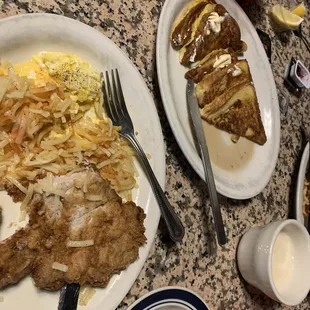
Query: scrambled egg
{"x": 32, "y": 70}
{"x": 78, "y": 76}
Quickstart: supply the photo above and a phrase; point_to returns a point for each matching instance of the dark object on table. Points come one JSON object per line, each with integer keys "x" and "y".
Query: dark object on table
{"x": 264, "y": 37}
{"x": 283, "y": 102}
{"x": 69, "y": 296}
{"x": 289, "y": 82}
{"x": 300, "y": 34}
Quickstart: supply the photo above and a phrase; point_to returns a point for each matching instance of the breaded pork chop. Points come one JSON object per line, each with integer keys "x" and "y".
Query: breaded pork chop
{"x": 78, "y": 207}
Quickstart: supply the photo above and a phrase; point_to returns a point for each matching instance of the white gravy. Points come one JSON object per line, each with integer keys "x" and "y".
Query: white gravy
{"x": 282, "y": 264}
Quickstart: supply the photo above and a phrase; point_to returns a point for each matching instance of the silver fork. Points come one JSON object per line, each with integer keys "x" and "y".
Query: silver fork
{"x": 115, "y": 107}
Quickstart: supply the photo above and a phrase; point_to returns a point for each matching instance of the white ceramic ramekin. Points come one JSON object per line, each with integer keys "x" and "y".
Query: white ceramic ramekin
{"x": 255, "y": 260}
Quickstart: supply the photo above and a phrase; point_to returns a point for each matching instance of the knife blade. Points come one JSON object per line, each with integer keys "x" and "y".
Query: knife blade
{"x": 194, "y": 112}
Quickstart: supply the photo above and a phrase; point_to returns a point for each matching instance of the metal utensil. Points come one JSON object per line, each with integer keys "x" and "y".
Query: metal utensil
{"x": 299, "y": 33}
{"x": 204, "y": 154}
{"x": 69, "y": 296}
{"x": 116, "y": 109}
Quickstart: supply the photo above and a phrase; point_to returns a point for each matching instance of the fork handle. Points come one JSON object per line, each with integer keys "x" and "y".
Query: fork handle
{"x": 174, "y": 225}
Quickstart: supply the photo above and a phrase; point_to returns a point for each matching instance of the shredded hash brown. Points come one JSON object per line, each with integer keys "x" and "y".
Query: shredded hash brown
{"x": 46, "y": 129}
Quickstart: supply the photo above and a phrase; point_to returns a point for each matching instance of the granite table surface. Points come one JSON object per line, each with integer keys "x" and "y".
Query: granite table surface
{"x": 198, "y": 263}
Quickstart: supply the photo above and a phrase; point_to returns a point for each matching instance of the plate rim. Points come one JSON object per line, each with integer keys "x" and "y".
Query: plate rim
{"x": 167, "y": 288}
{"x": 192, "y": 157}
{"x": 161, "y": 148}
{"x": 300, "y": 184}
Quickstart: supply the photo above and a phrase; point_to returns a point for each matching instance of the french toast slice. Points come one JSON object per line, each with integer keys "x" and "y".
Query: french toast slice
{"x": 217, "y": 82}
{"x": 208, "y": 64}
{"x": 214, "y": 29}
{"x": 181, "y": 31}
{"x": 236, "y": 111}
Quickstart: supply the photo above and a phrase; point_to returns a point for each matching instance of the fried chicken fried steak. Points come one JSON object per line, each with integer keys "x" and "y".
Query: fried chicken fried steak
{"x": 79, "y": 222}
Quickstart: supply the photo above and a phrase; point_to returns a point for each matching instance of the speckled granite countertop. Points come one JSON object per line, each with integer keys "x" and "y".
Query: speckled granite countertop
{"x": 132, "y": 25}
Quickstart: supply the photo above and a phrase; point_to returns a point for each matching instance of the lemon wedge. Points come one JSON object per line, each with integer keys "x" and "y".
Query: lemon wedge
{"x": 300, "y": 10}
{"x": 285, "y": 18}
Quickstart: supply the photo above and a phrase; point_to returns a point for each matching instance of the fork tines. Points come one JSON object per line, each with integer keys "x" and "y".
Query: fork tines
{"x": 113, "y": 96}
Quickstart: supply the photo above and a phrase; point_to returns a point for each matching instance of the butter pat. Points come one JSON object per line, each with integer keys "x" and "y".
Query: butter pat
{"x": 222, "y": 61}
{"x": 215, "y": 22}
{"x": 235, "y": 71}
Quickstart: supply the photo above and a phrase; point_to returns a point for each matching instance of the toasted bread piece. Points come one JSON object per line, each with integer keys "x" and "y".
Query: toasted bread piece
{"x": 237, "y": 112}
{"x": 207, "y": 64}
{"x": 205, "y": 39}
{"x": 217, "y": 82}
{"x": 208, "y": 9}
{"x": 181, "y": 31}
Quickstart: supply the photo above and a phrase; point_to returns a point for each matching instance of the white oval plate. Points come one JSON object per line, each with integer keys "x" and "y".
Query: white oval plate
{"x": 252, "y": 177}
{"x": 300, "y": 185}
{"x": 25, "y": 35}
{"x": 170, "y": 298}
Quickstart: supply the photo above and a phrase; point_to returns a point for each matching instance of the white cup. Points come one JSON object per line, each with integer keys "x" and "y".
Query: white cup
{"x": 260, "y": 261}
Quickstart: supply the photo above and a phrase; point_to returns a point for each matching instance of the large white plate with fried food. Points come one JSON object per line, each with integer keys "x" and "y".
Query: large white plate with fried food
{"x": 241, "y": 170}
{"x": 25, "y": 35}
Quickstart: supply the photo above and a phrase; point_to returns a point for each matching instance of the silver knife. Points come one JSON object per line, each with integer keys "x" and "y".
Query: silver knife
{"x": 193, "y": 108}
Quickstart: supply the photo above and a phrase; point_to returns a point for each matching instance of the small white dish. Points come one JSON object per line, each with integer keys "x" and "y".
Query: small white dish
{"x": 300, "y": 74}
{"x": 170, "y": 298}
{"x": 275, "y": 259}
{"x": 300, "y": 185}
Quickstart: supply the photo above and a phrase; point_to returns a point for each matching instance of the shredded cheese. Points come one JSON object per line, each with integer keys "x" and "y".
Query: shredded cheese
{"x": 91, "y": 197}
{"x": 60, "y": 267}
{"x": 28, "y": 197}
{"x": 17, "y": 184}
{"x": 79, "y": 244}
